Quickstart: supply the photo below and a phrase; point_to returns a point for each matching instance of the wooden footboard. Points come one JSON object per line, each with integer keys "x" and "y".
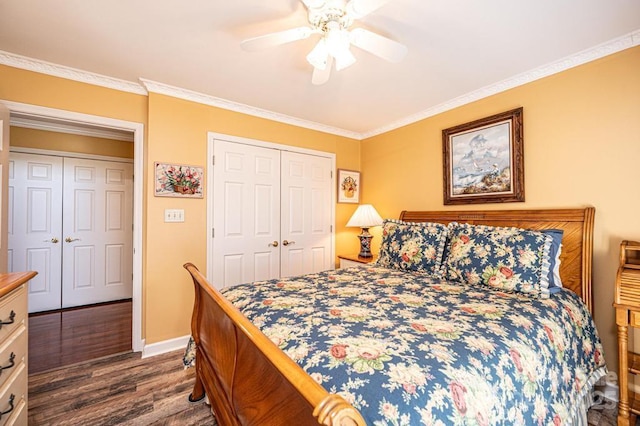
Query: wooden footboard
{"x": 248, "y": 379}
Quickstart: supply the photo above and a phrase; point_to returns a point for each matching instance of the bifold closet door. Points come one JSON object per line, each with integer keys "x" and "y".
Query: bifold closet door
{"x": 35, "y": 226}
{"x": 306, "y": 191}
{"x": 246, "y": 187}
{"x": 71, "y": 221}
{"x": 272, "y": 213}
{"x": 98, "y": 230}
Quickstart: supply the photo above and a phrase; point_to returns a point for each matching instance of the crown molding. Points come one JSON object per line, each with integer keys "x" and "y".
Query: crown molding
{"x": 43, "y": 67}
{"x": 39, "y": 123}
{"x": 610, "y": 47}
{"x": 189, "y": 95}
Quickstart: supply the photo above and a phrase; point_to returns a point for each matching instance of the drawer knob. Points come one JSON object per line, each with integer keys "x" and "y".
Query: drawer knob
{"x": 12, "y": 317}
{"x": 11, "y": 398}
{"x": 12, "y": 362}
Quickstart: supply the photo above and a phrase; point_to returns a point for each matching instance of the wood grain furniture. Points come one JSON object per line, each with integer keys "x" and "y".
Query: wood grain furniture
{"x": 13, "y": 347}
{"x": 627, "y": 304}
{"x": 250, "y": 381}
{"x": 353, "y": 260}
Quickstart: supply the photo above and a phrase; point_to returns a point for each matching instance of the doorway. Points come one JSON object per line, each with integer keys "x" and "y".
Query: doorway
{"x": 75, "y": 119}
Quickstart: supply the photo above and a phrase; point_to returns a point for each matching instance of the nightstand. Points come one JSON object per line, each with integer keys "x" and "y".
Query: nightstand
{"x": 352, "y": 260}
{"x": 627, "y": 304}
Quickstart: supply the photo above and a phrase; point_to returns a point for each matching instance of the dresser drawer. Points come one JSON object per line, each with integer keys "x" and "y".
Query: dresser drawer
{"x": 16, "y": 385}
{"x": 13, "y": 351}
{"x": 634, "y": 320}
{"x": 18, "y": 416}
{"x": 13, "y": 312}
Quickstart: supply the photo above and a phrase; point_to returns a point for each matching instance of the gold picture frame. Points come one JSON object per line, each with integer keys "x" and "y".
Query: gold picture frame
{"x": 484, "y": 160}
{"x": 349, "y": 186}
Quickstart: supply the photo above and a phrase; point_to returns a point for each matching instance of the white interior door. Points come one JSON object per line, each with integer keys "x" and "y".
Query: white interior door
{"x": 246, "y": 219}
{"x": 35, "y": 225}
{"x": 98, "y": 232}
{"x": 306, "y": 230}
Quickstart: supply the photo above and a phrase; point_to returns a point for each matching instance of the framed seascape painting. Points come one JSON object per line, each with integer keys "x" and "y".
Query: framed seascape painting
{"x": 484, "y": 160}
{"x": 349, "y": 186}
{"x": 176, "y": 180}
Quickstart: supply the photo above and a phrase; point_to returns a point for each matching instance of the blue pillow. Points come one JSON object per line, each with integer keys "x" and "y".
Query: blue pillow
{"x": 412, "y": 246}
{"x": 510, "y": 259}
{"x": 555, "y": 284}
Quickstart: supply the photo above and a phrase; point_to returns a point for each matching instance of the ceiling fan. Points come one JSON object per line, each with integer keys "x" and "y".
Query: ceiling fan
{"x": 331, "y": 19}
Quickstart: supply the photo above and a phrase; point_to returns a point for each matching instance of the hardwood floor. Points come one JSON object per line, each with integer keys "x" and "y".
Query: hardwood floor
{"x": 118, "y": 390}
{"x": 70, "y": 336}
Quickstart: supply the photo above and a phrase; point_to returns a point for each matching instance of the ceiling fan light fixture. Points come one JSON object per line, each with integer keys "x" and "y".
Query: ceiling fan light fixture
{"x": 319, "y": 56}
{"x": 344, "y": 59}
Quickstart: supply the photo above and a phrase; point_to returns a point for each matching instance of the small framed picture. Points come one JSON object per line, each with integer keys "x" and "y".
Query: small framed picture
{"x": 177, "y": 180}
{"x": 349, "y": 186}
{"x": 484, "y": 160}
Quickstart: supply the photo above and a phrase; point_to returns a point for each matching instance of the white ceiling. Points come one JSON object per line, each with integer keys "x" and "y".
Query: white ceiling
{"x": 458, "y": 50}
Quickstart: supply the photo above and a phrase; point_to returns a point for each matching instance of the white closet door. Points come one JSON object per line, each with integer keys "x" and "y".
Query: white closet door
{"x": 246, "y": 216}
{"x": 97, "y": 223}
{"x": 306, "y": 187}
{"x": 35, "y": 225}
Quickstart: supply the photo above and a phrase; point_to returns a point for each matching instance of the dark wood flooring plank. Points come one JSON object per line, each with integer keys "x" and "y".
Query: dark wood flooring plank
{"x": 70, "y": 336}
{"x": 120, "y": 390}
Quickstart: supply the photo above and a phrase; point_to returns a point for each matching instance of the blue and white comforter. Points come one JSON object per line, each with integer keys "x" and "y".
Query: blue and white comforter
{"x": 407, "y": 349}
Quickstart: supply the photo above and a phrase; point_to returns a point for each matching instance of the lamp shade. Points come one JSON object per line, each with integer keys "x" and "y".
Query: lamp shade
{"x": 365, "y": 216}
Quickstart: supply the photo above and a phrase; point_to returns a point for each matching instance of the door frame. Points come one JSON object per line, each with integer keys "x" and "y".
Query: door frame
{"x": 212, "y": 136}
{"x": 137, "y": 129}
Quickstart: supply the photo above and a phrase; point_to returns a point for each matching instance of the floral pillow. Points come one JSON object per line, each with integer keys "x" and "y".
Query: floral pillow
{"x": 509, "y": 259}
{"x": 412, "y": 246}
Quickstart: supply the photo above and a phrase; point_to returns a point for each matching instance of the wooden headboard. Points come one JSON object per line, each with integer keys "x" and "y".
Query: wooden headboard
{"x": 577, "y": 241}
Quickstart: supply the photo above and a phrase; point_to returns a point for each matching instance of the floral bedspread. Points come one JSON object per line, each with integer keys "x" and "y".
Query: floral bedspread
{"x": 407, "y": 349}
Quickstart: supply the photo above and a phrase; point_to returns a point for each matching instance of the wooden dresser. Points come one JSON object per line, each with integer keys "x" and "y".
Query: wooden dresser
{"x": 13, "y": 347}
{"x": 627, "y": 304}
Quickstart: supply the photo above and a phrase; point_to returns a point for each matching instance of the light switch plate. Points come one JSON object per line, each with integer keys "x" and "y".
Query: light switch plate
{"x": 174, "y": 215}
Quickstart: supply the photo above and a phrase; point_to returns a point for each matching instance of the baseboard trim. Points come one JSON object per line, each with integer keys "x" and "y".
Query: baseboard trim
{"x": 165, "y": 346}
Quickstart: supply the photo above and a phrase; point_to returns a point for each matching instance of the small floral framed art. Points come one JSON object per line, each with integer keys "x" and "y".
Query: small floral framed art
{"x": 176, "y": 180}
{"x": 349, "y": 186}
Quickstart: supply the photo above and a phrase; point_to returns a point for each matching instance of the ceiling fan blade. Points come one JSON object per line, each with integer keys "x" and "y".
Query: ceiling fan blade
{"x": 321, "y": 76}
{"x": 378, "y": 45}
{"x": 361, "y": 8}
{"x": 313, "y": 4}
{"x": 276, "y": 39}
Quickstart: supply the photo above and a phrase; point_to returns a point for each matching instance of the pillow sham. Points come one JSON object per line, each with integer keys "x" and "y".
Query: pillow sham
{"x": 509, "y": 259}
{"x": 555, "y": 283}
{"x": 412, "y": 246}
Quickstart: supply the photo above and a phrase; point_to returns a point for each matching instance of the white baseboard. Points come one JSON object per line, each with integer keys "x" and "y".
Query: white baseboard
{"x": 165, "y": 346}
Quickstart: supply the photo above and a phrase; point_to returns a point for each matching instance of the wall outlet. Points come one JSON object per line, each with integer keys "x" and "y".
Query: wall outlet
{"x": 174, "y": 215}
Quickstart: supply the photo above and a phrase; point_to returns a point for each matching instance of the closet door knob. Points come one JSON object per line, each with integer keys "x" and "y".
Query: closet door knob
{"x": 70, "y": 240}
{"x": 286, "y": 243}
{"x": 54, "y": 240}
{"x": 274, "y": 244}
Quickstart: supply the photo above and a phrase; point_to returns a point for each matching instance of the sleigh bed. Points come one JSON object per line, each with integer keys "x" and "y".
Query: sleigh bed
{"x": 437, "y": 340}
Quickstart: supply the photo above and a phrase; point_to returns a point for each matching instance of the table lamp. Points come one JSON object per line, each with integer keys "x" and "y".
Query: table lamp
{"x": 365, "y": 217}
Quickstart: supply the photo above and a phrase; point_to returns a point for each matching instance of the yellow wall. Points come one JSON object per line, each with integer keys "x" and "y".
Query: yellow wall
{"x": 178, "y": 133}
{"x": 55, "y": 141}
{"x": 581, "y": 147}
